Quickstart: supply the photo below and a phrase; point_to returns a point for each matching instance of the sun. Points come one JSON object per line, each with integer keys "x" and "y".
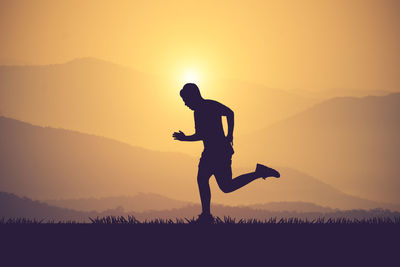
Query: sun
{"x": 191, "y": 76}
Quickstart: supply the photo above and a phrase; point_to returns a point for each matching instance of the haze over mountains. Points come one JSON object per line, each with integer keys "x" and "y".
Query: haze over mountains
{"x": 12, "y": 206}
{"x": 351, "y": 143}
{"x": 7, "y": 61}
{"x": 153, "y": 202}
{"x": 87, "y": 95}
{"x": 341, "y": 152}
{"x": 102, "y": 98}
{"x": 339, "y": 92}
{"x": 44, "y": 163}
{"x": 138, "y": 203}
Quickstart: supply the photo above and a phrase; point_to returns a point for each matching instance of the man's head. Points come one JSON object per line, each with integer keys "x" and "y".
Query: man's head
{"x": 190, "y": 94}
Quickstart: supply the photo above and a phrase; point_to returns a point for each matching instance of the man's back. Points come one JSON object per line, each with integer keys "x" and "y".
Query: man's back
{"x": 208, "y": 124}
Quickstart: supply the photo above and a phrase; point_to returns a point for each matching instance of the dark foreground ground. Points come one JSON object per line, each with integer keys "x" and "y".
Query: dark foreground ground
{"x": 190, "y": 244}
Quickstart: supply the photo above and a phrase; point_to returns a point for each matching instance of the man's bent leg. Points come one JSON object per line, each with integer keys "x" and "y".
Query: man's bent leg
{"x": 223, "y": 175}
{"x": 203, "y": 179}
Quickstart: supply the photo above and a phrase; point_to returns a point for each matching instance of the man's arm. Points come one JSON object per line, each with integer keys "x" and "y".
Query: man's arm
{"x": 194, "y": 137}
{"x": 231, "y": 123}
{"x": 182, "y": 137}
{"x": 230, "y": 117}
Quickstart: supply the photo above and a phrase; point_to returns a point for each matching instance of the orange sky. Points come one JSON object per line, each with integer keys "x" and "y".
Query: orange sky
{"x": 311, "y": 45}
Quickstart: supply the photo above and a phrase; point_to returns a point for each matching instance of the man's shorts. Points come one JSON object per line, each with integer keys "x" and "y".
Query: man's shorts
{"x": 215, "y": 162}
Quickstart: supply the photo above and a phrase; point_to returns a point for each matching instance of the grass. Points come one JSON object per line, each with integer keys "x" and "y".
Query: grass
{"x": 122, "y": 240}
{"x": 226, "y": 220}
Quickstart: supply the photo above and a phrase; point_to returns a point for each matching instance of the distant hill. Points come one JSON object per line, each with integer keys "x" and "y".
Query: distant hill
{"x": 87, "y": 95}
{"x": 294, "y": 186}
{"x": 138, "y": 203}
{"x": 153, "y": 202}
{"x": 12, "y": 206}
{"x": 340, "y": 92}
{"x": 12, "y": 62}
{"x": 350, "y": 143}
{"x": 98, "y": 97}
{"x": 292, "y": 206}
{"x": 43, "y": 162}
{"x": 48, "y": 163}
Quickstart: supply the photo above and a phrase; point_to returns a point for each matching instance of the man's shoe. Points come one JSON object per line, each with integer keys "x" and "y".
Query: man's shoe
{"x": 264, "y": 171}
{"x": 205, "y": 219}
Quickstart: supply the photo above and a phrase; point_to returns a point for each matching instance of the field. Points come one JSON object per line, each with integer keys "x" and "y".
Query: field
{"x": 118, "y": 240}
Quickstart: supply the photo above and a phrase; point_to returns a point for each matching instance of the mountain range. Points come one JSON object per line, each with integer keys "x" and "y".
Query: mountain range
{"x": 48, "y": 163}
{"x": 350, "y": 143}
{"x": 138, "y": 203}
{"x": 14, "y": 207}
{"x": 341, "y": 152}
{"x": 153, "y": 202}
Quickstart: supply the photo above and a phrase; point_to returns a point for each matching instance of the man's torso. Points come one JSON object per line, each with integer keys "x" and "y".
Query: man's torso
{"x": 208, "y": 123}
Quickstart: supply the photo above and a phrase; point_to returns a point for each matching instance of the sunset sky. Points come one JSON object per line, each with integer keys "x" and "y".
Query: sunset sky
{"x": 312, "y": 85}
{"x": 308, "y": 45}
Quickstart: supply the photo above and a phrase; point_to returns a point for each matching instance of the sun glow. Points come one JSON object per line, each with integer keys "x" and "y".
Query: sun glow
{"x": 191, "y": 76}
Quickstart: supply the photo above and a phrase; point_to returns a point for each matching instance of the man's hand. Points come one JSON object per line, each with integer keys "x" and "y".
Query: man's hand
{"x": 179, "y": 136}
{"x": 230, "y": 139}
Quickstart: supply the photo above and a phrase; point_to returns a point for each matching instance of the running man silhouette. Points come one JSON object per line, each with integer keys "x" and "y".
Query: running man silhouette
{"x": 216, "y": 158}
